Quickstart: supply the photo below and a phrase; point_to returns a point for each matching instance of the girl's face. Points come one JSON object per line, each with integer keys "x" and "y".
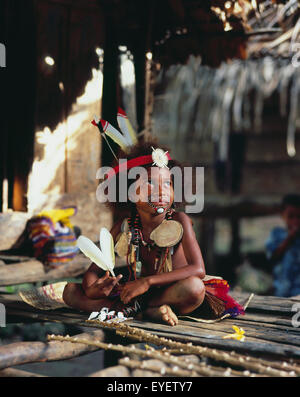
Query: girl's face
{"x": 156, "y": 190}
{"x": 291, "y": 216}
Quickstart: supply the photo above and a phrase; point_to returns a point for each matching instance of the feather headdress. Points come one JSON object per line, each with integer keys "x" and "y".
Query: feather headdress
{"x": 126, "y": 138}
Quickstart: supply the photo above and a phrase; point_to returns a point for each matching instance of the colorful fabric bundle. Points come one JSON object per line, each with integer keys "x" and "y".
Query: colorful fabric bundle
{"x": 52, "y": 235}
{"x": 219, "y": 288}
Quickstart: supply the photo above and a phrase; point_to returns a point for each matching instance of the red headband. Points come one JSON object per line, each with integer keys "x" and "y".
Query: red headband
{"x": 126, "y": 165}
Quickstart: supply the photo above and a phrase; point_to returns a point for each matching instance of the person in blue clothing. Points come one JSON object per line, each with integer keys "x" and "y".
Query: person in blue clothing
{"x": 283, "y": 249}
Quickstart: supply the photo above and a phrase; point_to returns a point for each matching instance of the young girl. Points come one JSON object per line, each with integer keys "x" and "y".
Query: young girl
{"x": 165, "y": 272}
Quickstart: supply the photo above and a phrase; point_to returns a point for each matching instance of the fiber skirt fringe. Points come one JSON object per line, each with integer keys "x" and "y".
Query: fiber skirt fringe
{"x": 218, "y": 299}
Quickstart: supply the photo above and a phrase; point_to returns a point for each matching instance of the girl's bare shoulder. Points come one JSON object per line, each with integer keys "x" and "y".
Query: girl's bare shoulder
{"x": 183, "y": 218}
{"x": 116, "y": 229}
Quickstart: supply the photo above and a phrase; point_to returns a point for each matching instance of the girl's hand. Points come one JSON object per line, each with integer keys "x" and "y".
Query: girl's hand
{"x": 134, "y": 288}
{"x": 102, "y": 287}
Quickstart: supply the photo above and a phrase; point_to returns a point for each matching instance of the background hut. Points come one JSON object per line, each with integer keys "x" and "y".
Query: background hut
{"x": 206, "y": 74}
{"x": 218, "y": 82}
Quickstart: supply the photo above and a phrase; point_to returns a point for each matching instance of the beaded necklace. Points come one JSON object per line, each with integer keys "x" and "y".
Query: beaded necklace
{"x": 133, "y": 256}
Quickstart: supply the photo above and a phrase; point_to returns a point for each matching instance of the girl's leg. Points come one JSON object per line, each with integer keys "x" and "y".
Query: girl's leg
{"x": 183, "y": 297}
{"x": 75, "y": 297}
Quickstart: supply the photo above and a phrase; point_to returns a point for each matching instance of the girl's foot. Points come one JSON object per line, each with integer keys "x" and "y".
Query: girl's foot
{"x": 162, "y": 313}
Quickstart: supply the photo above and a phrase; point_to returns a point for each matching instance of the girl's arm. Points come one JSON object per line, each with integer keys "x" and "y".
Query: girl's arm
{"x": 187, "y": 261}
{"x": 284, "y": 246}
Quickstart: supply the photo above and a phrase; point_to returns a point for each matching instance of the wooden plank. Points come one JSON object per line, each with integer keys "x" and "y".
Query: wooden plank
{"x": 262, "y": 318}
{"x": 44, "y": 316}
{"x": 27, "y": 352}
{"x": 268, "y": 308}
{"x": 34, "y": 271}
{"x": 264, "y": 321}
{"x": 267, "y": 321}
{"x": 273, "y": 300}
{"x": 273, "y": 341}
{"x": 259, "y": 300}
{"x": 270, "y": 333}
{"x": 253, "y": 345}
{"x": 214, "y": 339}
{"x": 222, "y": 329}
{"x": 73, "y": 317}
{"x": 18, "y": 373}
{"x": 14, "y": 301}
{"x": 15, "y": 258}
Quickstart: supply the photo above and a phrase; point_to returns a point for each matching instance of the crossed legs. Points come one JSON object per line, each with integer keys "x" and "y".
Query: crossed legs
{"x": 181, "y": 298}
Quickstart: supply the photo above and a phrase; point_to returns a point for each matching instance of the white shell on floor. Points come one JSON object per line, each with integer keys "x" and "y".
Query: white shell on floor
{"x": 102, "y": 316}
{"x": 105, "y": 315}
{"x": 93, "y": 316}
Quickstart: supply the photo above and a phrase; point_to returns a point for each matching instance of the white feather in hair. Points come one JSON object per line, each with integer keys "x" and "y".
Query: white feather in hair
{"x": 126, "y": 127}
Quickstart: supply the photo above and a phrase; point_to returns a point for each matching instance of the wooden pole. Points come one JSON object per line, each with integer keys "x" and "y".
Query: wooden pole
{"x": 34, "y": 271}
{"x": 140, "y": 78}
{"x": 179, "y": 366}
{"x": 110, "y": 78}
{"x": 234, "y": 359}
{"x": 235, "y": 253}
{"x": 28, "y": 352}
{"x": 207, "y": 235}
{"x": 149, "y": 79}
